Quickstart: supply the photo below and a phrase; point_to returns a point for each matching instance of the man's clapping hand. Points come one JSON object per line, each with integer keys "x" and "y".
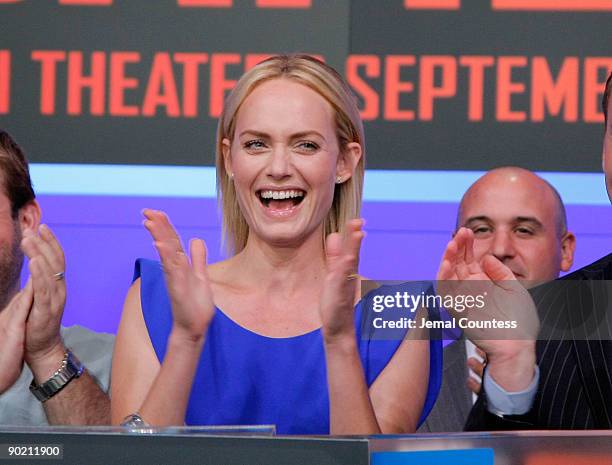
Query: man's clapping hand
{"x": 510, "y": 353}
{"x": 12, "y": 336}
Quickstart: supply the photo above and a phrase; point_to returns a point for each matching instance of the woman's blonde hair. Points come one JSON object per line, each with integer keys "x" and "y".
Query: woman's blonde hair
{"x": 325, "y": 81}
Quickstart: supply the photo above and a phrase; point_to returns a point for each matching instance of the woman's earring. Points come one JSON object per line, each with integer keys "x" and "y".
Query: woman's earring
{"x": 338, "y": 180}
{"x": 231, "y": 176}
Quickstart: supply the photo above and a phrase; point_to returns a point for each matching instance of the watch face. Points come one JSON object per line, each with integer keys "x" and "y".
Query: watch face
{"x": 137, "y": 424}
{"x": 74, "y": 364}
{"x": 134, "y": 420}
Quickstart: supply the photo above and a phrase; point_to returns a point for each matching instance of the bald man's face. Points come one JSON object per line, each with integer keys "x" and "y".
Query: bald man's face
{"x": 515, "y": 218}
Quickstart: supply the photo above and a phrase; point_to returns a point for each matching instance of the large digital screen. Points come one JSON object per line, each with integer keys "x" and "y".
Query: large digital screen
{"x": 442, "y": 85}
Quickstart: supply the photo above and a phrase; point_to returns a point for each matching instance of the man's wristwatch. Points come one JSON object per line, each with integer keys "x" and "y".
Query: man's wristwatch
{"x": 70, "y": 369}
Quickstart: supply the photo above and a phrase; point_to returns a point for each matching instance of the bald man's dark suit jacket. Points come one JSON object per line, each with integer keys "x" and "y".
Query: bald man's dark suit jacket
{"x": 575, "y": 388}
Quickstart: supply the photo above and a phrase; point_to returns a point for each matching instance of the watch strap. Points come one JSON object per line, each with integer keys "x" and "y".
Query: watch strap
{"x": 70, "y": 369}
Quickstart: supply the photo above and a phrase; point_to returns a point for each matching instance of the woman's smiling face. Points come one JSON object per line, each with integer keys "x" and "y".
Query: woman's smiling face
{"x": 284, "y": 159}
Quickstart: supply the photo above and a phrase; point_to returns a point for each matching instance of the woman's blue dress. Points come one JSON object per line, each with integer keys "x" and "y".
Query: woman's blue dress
{"x": 244, "y": 378}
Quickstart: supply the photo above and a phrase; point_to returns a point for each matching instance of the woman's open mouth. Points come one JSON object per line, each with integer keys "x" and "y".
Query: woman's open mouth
{"x": 281, "y": 200}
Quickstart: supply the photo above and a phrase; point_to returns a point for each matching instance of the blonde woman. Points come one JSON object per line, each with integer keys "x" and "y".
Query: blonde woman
{"x": 271, "y": 335}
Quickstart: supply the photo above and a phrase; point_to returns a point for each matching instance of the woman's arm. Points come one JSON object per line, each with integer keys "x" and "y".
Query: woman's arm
{"x": 135, "y": 365}
{"x": 399, "y": 392}
{"x": 138, "y": 382}
{"x": 161, "y": 393}
{"x": 350, "y": 408}
{"x": 394, "y": 402}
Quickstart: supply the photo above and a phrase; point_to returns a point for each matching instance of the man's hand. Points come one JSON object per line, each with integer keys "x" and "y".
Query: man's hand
{"x": 44, "y": 349}
{"x": 81, "y": 401}
{"x": 12, "y": 336}
{"x": 511, "y": 362}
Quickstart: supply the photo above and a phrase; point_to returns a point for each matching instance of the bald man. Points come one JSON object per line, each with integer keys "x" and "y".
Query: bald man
{"x": 520, "y": 219}
{"x": 552, "y": 383}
